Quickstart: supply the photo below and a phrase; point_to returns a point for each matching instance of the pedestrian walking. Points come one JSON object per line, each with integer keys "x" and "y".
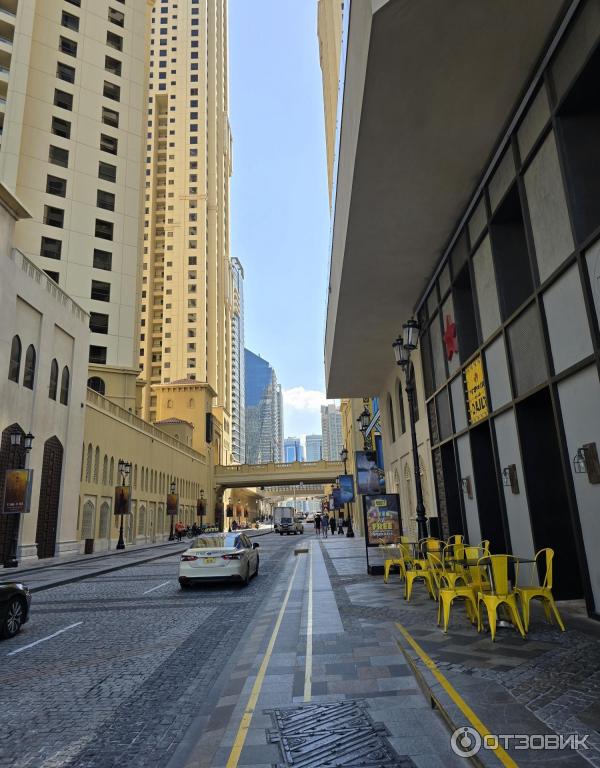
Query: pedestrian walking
{"x": 325, "y": 524}
{"x": 332, "y": 524}
{"x": 318, "y": 524}
{"x": 341, "y": 525}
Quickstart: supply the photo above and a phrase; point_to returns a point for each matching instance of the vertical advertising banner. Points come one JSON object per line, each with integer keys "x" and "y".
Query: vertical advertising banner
{"x": 370, "y": 479}
{"x": 172, "y": 503}
{"x": 122, "y": 500}
{"x": 346, "y": 483}
{"x": 382, "y": 519}
{"x": 17, "y": 491}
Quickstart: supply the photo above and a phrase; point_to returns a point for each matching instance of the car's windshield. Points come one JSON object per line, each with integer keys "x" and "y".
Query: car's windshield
{"x": 216, "y": 542}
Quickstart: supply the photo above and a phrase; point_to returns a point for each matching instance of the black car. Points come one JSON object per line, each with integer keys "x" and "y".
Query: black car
{"x": 15, "y": 600}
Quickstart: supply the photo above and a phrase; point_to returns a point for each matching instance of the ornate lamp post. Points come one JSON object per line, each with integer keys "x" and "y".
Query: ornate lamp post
{"x": 349, "y": 529}
{"x": 364, "y": 420}
{"x": 200, "y": 508}
{"x": 15, "y": 442}
{"x": 124, "y": 468}
{"x": 171, "y": 532}
{"x": 403, "y": 346}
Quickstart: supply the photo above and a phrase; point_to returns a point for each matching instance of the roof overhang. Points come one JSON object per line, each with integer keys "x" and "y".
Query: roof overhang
{"x": 429, "y": 86}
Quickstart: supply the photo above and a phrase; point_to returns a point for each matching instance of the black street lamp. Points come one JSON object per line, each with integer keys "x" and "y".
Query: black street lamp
{"x": 349, "y": 529}
{"x": 403, "y": 346}
{"x": 124, "y": 468}
{"x": 364, "y": 420}
{"x": 15, "y": 441}
{"x": 200, "y": 507}
{"x": 171, "y": 532}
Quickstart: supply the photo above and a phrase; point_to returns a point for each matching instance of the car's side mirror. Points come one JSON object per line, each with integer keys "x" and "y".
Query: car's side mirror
{"x": 255, "y": 545}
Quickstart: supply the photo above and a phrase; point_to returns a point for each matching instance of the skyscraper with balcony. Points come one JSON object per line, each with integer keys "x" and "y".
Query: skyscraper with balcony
{"x": 331, "y": 425}
{"x": 71, "y": 117}
{"x": 264, "y": 412}
{"x": 187, "y": 292}
{"x": 238, "y": 366}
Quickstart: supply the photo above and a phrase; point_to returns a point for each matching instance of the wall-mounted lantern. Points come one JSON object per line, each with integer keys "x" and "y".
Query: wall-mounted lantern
{"x": 467, "y": 486}
{"x": 510, "y": 479}
{"x": 586, "y": 461}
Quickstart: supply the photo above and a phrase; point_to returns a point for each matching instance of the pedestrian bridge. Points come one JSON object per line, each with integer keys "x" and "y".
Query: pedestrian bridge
{"x": 271, "y": 474}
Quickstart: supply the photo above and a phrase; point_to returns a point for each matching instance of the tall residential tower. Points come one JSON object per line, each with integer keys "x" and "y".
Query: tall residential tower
{"x": 185, "y": 335}
{"x": 331, "y": 426}
{"x": 264, "y": 412}
{"x": 238, "y": 366}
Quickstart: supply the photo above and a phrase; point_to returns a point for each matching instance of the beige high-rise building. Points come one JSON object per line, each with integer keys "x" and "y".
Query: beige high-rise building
{"x": 185, "y": 334}
{"x": 72, "y": 110}
{"x": 329, "y": 31}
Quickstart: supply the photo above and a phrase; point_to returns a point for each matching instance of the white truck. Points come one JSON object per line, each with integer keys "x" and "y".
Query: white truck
{"x": 284, "y": 521}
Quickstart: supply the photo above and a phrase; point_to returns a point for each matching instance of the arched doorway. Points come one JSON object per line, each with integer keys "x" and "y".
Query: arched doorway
{"x": 104, "y": 524}
{"x": 11, "y": 457}
{"x": 88, "y": 526}
{"x": 47, "y": 521}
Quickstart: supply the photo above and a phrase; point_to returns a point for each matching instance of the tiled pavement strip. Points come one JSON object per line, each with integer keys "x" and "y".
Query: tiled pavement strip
{"x": 548, "y": 684}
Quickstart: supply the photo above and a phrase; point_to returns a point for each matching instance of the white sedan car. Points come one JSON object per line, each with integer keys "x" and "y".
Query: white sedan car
{"x": 219, "y": 557}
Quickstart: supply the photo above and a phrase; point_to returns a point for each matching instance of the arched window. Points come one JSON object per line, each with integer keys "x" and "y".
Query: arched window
{"x": 169, "y": 403}
{"x": 105, "y": 470}
{"x": 88, "y": 464}
{"x": 14, "y": 367}
{"x": 142, "y": 480}
{"x": 191, "y": 403}
{"x": 391, "y": 418}
{"x": 64, "y": 386}
{"x": 111, "y": 476}
{"x": 29, "y": 372}
{"x": 53, "y": 386}
{"x": 96, "y": 464}
{"x": 135, "y": 475}
{"x": 401, "y": 409}
{"x": 97, "y": 384}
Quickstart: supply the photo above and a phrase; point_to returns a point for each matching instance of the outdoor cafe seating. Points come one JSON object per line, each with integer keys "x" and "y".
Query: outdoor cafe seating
{"x": 487, "y": 584}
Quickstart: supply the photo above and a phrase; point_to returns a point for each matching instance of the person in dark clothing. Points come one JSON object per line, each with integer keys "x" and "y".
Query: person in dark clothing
{"x": 318, "y": 525}
{"x": 332, "y": 524}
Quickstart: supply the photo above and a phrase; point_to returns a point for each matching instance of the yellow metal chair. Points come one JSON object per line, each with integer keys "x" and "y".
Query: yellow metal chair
{"x": 485, "y": 544}
{"x": 391, "y": 556}
{"x": 500, "y": 594}
{"x": 449, "y": 591}
{"x": 543, "y": 593}
{"x": 416, "y": 570}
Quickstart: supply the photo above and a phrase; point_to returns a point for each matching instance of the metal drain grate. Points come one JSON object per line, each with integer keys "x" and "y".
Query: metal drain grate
{"x": 328, "y": 735}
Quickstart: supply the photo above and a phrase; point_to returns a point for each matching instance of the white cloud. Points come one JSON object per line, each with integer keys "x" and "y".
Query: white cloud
{"x": 300, "y": 399}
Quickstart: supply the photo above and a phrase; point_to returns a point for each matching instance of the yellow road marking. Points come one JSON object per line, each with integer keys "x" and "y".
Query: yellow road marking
{"x": 309, "y": 632}
{"x": 483, "y": 730}
{"x": 242, "y": 731}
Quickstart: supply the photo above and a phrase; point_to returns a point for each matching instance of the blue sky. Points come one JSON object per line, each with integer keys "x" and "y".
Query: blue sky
{"x": 279, "y": 200}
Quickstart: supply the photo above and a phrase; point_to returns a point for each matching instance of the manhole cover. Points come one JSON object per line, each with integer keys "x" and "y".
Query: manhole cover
{"x": 328, "y": 735}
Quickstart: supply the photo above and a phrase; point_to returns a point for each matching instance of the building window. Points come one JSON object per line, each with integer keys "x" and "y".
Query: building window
{"x": 53, "y": 217}
{"x": 112, "y": 91}
{"x": 56, "y": 186}
{"x": 97, "y": 384}
{"x": 64, "y": 386}
{"x": 70, "y": 21}
{"x": 108, "y": 144}
{"x": 104, "y": 229}
{"x": 14, "y": 366}
{"x": 102, "y": 259}
{"x": 58, "y": 156}
{"x": 112, "y": 65}
{"x": 105, "y": 200}
{"x": 100, "y": 290}
{"x": 401, "y": 410}
{"x": 29, "y": 370}
{"x": 67, "y": 46}
{"x": 114, "y": 41}
{"x": 61, "y": 127}
{"x": 116, "y": 17}
{"x": 53, "y": 386}
{"x": 65, "y": 72}
{"x": 107, "y": 172}
{"x": 110, "y": 117}
{"x": 63, "y": 100}
{"x": 97, "y": 355}
{"x": 98, "y": 322}
{"x": 50, "y": 248}
{"x": 391, "y": 418}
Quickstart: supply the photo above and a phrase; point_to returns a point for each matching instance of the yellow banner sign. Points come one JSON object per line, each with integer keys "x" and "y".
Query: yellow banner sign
{"x": 477, "y": 399}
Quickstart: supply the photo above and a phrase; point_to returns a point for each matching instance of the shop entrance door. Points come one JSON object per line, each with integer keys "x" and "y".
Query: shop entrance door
{"x": 488, "y": 493}
{"x": 548, "y": 500}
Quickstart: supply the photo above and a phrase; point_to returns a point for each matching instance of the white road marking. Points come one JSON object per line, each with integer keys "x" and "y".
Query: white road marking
{"x": 157, "y": 587}
{"x": 309, "y": 632}
{"x": 43, "y": 639}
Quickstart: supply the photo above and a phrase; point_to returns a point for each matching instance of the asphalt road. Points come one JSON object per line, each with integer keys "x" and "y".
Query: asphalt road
{"x": 108, "y": 670}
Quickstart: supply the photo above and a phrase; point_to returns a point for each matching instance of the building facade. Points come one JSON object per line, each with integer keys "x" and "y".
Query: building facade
{"x": 187, "y": 301}
{"x": 264, "y": 412}
{"x": 314, "y": 447}
{"x": 292, "y": 449}
{"x": 238, "y": 366}
{"x": 331, "y": 427}
{"x": 72, "y": 143}
{"x": 509, "y": 356}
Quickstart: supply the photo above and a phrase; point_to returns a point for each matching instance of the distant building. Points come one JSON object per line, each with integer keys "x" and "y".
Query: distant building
{"x": 238, "y": 367}
{"x": 314, "y": 447}
{"x": 331, "y": 426}
{"x": 264, "y": 411}
{"x": 292, "y": 449}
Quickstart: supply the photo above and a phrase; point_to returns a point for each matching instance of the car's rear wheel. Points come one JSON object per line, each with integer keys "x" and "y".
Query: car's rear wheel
{"x": 257, "y": 564}
{"x": 184, "y": 584}
{"x": 246, "y": 579}
{"x": 15, "y": 616}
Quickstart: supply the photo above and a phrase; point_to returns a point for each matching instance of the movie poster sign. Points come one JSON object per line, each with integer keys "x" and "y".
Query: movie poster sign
{"x": 370, "y": 479}
{"x": 122, "y": 500}
{"x": 172, "y": 503}
{"x": 346, "y": 483}
{"x": 382, "y": 519}
{"x": 17, "y": 491}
